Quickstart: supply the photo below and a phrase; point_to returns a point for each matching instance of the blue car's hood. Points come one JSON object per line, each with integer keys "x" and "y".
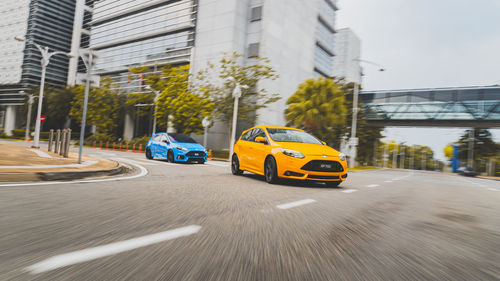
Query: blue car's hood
{"x": 189, "y": 145}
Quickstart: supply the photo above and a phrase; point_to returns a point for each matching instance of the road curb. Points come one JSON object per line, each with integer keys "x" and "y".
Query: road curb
{"x": 53, "y": 176}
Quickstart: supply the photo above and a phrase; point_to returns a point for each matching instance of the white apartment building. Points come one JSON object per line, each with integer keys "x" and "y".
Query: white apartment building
{"x": 347, "y": 50}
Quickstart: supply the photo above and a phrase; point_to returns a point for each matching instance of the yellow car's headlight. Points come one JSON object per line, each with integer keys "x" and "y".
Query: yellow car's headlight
{"x": 292, "y": 153}
{"x": 342, "y": 156}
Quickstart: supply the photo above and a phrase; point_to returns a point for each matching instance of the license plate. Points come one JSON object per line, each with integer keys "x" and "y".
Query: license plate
{"x": 196, "y": 154}
{"x": 325, "y": 166}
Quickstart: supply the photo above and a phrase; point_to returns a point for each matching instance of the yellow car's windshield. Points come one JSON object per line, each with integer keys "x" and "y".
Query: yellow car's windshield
{"x": 287, "y": 135}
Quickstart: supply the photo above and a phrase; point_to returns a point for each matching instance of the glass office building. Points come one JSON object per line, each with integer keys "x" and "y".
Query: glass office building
{"x": 325, "y": 37}
{"x": 45, "y": 22}
{"x": 128, "y": 34}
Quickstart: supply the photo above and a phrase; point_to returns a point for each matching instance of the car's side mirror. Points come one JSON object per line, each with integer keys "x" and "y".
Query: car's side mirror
{"x": 260, "y": 140}
{"x": 166, "y": 141}
{"x": 324, "y": 143}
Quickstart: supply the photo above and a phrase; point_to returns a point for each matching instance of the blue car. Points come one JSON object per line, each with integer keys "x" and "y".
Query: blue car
{"x": 175, "y": 148}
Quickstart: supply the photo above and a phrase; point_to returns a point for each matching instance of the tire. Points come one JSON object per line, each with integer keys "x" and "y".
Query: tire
{"x": 270, "y": 171}
{"x": 333, "y": 183}
{"x": 235, "y": 166}
{"x": 170, "y": 157}
{"x": 148, "y": 154}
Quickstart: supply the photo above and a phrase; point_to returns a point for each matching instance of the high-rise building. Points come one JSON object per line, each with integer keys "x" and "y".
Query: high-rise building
{"x": 45, "y": 22}
{"x": 297, "y": 36}
{"x": 347, "y": 54}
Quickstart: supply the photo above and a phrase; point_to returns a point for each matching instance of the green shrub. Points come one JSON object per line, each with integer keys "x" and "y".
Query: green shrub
{"x": 18, "y": 133}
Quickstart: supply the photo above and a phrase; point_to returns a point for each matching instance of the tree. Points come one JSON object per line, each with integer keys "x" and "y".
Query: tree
{"x": 318, "y": 108}
{"x": 177, "y": 102}
{"x": 484, "y": 147}
{"x": 251, "y": 101}
{"x": 103, "y": 107}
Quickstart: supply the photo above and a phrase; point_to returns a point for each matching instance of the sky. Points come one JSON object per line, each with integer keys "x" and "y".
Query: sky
{"x": 426, "y": 44}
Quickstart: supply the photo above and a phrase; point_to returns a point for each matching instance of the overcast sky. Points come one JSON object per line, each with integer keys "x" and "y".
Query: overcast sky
{"x": 423, "y": 44}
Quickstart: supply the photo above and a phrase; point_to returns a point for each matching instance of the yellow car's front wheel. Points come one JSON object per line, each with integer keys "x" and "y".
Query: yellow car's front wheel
{"x": 270, "y": 170}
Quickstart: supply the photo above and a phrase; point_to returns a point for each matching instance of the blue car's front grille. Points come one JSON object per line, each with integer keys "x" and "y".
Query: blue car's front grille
{"x": 196, "y": 153}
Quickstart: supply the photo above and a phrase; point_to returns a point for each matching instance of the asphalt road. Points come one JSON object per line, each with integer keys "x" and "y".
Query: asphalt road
{"x": 199, "y": 222}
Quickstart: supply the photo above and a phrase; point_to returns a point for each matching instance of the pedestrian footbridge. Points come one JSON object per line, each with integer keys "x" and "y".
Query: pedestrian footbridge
{"x": 477, "y": 107}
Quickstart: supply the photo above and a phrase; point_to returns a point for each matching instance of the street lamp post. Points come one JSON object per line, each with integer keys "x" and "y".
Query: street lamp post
{"x": 46, "y": 55}
{"x": 353, "y": 141}
{"x": 470, "y": 153}
{"x": 236, "y": 96}
{"x": 157, "y": 95}
{"x": 206, "y": 123}
{"x": 31, "y": 99}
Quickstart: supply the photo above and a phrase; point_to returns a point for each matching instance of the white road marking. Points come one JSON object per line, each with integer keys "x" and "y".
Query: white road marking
{"x": 145, "y": 163}
{"x": 84, "y": 164}
{"x": 492, "y": 189}
{"x": 143, "y": 172}
{"x": 40, "y": 153}
{"x": 109, "y": 249}
{"x": 372, "y": 185}
{"x": 295, "y": 204}
{"x": 469, "y": 181}
{"x": 218, "y": 164}
{"x": 349, "y": 190}
{"x": 387, "y": 181}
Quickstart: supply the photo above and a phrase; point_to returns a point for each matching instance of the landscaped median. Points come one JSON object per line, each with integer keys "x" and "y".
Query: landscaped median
{"x": 20, "y": 163}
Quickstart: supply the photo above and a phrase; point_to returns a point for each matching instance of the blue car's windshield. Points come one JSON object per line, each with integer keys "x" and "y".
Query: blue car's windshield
{"x": 181, "y": 138}
{"x": 286, "y": 135}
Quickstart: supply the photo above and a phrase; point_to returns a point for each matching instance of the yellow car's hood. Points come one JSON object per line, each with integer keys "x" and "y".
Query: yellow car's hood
{"x": 310, "y": 149}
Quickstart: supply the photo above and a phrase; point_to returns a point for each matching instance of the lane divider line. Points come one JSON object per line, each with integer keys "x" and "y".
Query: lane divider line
{"x": 109, "y": 249}
{"x": 387, "y": 181}
{"x": 372, "y": 185}
{"x": 295, "y": 204}
{"x": 349, "y": 190}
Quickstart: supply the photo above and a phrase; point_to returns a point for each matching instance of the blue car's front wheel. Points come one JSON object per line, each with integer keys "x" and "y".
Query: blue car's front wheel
{"x": 170, "y": 156}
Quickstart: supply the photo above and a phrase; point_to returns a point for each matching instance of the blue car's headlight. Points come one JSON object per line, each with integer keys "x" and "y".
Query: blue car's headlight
{"x": 181, "y": 148}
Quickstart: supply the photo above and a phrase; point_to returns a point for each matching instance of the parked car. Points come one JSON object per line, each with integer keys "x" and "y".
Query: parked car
{"x": 467, "y": 171}
{"x": 175, "y": 148}
{"x": 281, "y": 152}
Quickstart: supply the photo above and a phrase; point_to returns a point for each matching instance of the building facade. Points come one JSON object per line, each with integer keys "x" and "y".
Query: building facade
{"x": 347, "y": 51}
{"x": 297, "y": 36}
{"x": 45, "y": 22}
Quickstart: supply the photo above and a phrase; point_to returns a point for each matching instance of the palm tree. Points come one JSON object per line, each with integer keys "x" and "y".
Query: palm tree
{"x": 318, "y": 108}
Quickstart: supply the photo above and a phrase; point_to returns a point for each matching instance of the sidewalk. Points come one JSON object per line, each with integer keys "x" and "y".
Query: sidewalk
{"x": 20, "y": 163}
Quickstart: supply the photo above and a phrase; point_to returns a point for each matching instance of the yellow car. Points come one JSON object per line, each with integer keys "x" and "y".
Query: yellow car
{"x": 281, "y": 152}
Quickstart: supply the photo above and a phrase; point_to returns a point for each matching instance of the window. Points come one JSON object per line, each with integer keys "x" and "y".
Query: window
{"x": 157, "y": 137}
{"x": 181, "y": 138}
{"x": 258, "y": 133}
{"x": 253, "y": 50}
{"x": 256, "y": 14}
{"x": 247, "y": 135}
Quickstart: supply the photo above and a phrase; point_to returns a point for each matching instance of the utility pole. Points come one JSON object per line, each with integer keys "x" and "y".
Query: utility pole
{"x": 89, "y": 59}
{"x": 395, "y": 152}
{"x": 412, "y": 158}
{"x": 424, "y": 160}
{"x": 353, "y": 141}
{"x": 402, "y": 165}
{"x": 471, "y": 148}
{"x": 386, "y": 154}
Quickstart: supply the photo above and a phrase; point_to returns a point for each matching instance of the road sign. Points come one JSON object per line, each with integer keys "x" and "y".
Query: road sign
{"x": 353, "y": 141}
{"x": 42, "y": 118}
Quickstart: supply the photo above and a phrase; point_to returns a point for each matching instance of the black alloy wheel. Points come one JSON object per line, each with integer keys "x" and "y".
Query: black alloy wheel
{"x": 235, "y": 166}
{"x": 270, "y": 170}
{"x": 148, "y": 154}
{"x": 170, "y": 156}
